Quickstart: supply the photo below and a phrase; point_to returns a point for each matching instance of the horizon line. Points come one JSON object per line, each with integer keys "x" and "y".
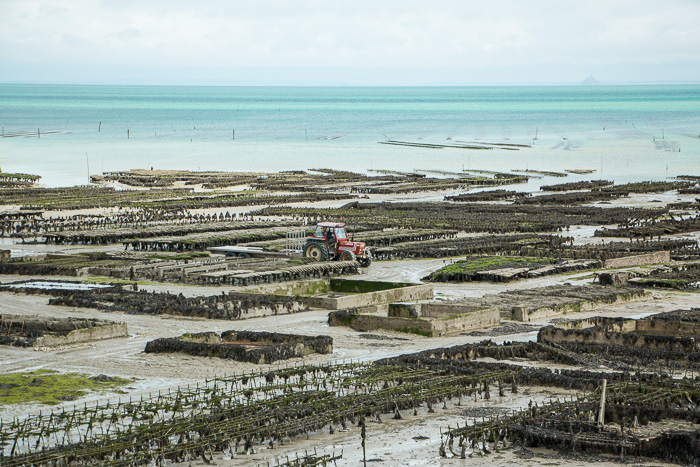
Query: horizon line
{"x": 359, "y": 85}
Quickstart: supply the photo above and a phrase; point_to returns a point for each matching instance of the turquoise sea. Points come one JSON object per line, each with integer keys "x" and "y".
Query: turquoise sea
{"x": 625, "y": 133}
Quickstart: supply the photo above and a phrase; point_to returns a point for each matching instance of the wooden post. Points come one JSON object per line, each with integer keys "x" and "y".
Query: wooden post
{"x": 233, "y": 134}
{"x": 363, "y": 434}
{"x": 127, "y": 134}
{"x": 38, "y": 133}
{"x": 601, "y": 413}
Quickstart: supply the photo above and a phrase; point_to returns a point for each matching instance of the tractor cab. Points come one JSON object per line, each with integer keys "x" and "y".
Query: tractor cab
{"x": 330, "y": 232}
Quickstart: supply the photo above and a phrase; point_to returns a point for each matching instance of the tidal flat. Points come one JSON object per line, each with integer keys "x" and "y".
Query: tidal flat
{"x": 149, "y": 238}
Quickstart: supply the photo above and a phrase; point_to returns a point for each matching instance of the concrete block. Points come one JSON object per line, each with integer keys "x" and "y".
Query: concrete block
{"x": 520, "y": 313}
{"x": 404, "y": 310}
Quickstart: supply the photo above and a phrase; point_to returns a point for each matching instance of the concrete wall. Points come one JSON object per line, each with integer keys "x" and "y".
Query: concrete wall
{"x": 83, "y": 335}
{"x": 466, "y": 321}
{"x": 107, "y": 272}
{"x": 639, "y": 260}
{"x": 573, "y": 307}
{"x": 667, "y": 328}
{"x": 306, "y": 292}
{"x": 442, "y": 310}
{"x": 432, "y": 327}
{"x": 343, "y": 302}
{"x": 613, "y": 278}
{"x": 602, "y": 322}
{"x": 365, "y": 323}
{"x": 591, "y": 336}
{"x": 306, "y": 287}
{"x": 404, "y": 310}
{"x": 262, "y": 310}
{"x": 656, "y": 327}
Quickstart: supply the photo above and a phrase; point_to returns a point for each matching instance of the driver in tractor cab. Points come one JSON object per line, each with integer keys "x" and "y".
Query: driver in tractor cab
{"x": 330, "y": 238}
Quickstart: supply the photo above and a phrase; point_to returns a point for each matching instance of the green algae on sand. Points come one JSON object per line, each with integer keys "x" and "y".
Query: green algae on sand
{"x": 51, "y": 387}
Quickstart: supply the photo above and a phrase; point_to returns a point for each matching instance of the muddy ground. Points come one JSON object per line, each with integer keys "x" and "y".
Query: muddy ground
{"x": 415, "y": 440}
{"x": 391, "y": 442}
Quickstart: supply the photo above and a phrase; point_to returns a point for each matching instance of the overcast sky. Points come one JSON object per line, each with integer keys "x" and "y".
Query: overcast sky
{"x": 339, "y": 42}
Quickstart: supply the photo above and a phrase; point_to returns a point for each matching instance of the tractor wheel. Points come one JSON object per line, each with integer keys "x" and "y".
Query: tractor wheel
{"x": 316, "y": 250}
{"x": 348, "y": 256}
{"x": 367, "y": 260}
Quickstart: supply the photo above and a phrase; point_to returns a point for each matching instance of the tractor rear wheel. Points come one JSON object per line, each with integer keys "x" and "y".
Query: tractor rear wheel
{"x": 316, "y": 250}
{"x": 348, "y": 256}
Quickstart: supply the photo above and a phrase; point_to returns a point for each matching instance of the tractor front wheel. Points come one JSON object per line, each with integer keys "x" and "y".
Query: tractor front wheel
{"x": 348, "y": 256}
{"x": 367, "y": 260}
{"x": 317, "y": 251}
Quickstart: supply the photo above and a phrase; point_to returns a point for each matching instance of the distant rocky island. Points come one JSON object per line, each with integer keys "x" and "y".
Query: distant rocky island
{"x": 590, "y": 81}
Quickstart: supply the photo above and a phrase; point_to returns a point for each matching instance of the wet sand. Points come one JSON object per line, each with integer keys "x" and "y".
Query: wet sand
{"x": 391, "y": 442}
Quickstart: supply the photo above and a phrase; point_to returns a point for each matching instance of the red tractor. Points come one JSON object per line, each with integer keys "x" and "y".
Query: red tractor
{"x": 330, "y": 242}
